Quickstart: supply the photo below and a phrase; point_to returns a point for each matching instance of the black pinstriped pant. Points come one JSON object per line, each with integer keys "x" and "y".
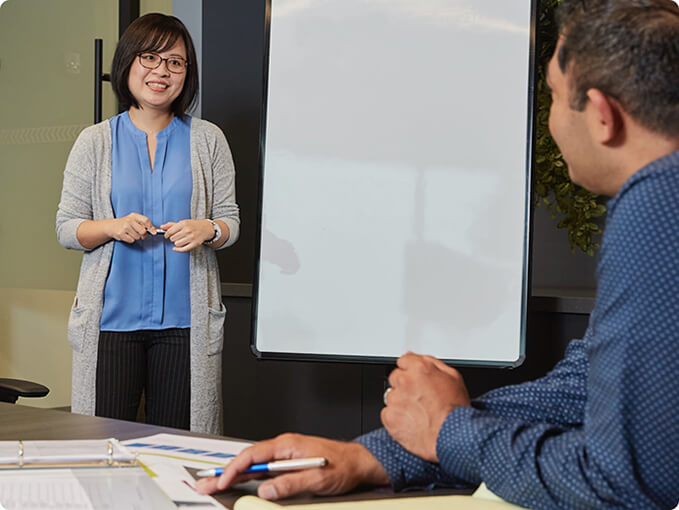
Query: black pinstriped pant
{"x": 156, "y": 362}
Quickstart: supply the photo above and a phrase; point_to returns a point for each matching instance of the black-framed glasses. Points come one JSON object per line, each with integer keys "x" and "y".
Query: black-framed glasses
{"x": 150, "y": 60}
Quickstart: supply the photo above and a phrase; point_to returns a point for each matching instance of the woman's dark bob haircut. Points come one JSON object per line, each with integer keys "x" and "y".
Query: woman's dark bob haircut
{"x": 153, "y": 32}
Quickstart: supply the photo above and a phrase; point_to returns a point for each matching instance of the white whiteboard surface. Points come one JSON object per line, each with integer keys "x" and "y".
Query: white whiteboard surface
{"x": 395, "y": 180}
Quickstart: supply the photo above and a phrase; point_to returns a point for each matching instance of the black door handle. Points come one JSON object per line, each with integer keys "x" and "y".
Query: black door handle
{"x": 98, "y": 78}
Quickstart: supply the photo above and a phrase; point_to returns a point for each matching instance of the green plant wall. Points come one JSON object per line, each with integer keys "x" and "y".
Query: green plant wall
{"x": 573, "y": 207}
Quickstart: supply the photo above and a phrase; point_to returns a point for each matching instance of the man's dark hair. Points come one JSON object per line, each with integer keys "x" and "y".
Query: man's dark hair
{"x": 156, "y": 33}
{"x": 627, "y": 49}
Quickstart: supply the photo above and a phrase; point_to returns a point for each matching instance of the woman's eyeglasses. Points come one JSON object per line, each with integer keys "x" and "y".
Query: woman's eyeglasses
{"x": 175, "y": 65}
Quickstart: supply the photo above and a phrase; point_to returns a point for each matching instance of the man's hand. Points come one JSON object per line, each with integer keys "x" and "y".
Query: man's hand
{"x": 423, "y": 391}
{"x": 349, "y": 465}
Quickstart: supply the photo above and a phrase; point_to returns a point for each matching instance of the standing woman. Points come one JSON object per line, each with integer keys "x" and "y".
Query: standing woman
{"x": 148, "y": 315}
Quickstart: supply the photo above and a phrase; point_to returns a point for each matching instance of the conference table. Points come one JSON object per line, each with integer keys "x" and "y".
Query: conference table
{"x": 31, "y": 423}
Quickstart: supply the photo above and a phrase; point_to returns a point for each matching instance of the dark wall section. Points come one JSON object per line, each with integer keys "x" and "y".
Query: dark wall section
{"x": 339, "y": 400}
{"x": 264, "y": 398}
{"x": 553, "y": 264}
{"x": 233, "y": 55}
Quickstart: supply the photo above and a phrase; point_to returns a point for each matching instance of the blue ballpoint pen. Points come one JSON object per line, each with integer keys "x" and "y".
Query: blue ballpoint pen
{"x": 277, "y": 465}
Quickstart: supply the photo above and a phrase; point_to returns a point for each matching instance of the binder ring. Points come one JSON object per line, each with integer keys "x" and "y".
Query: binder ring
{"x": 110, "y": 453}
{"x": 20, "y": 454}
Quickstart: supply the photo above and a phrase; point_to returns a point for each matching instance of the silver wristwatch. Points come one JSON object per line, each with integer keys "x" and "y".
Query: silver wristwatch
{"x": 218, "y": 233}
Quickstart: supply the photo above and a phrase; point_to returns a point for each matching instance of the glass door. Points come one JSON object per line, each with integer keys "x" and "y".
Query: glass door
{"x": 46, "y": 99}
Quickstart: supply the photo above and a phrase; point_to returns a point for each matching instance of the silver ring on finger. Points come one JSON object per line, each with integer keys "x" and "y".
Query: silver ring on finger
{"x": 386, "y": 393}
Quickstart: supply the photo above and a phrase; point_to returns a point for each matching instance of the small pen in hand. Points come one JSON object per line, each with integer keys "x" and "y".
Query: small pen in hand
{"x": 277, "y": 465}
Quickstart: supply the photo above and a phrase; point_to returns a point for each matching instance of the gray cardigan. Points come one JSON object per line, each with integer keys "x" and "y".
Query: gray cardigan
{"x": 86, "y": 195}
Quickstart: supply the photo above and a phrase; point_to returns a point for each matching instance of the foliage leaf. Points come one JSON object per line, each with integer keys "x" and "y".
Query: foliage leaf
{"x": 573, "y": 206}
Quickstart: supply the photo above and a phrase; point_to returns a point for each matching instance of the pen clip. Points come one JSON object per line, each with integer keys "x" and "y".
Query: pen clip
{"x": 20, "y": 454}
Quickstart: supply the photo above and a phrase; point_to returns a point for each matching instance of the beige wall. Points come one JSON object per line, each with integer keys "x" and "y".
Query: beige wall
{"x": 33, "y": 346}
{"x": 164, "y": 6}
{"x": 46, "y": 98}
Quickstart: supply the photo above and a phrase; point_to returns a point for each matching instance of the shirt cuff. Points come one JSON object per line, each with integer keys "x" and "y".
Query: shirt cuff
{"x": 456, "y": 446}
{"x": 404, "y": 469}
{"x": 378, "y": 442}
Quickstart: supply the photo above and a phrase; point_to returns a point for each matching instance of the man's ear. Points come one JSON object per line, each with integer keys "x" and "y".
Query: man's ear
{"x": 604, "y": 118}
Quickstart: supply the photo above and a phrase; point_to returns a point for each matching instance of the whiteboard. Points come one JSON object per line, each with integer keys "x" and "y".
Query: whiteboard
{"x": 395, "y": 180}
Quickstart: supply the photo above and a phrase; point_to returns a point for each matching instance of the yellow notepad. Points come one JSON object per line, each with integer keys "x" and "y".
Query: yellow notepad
{"x": 482, "y": 499}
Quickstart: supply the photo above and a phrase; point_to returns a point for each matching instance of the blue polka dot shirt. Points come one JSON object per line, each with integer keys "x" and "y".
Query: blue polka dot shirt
{"x": 601, "y": 430}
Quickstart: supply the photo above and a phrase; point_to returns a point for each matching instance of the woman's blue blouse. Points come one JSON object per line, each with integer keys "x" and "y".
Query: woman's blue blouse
{"x": 148, "y": 283}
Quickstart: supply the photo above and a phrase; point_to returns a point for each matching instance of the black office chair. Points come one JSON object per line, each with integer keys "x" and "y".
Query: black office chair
{"x": 12, "y": 389}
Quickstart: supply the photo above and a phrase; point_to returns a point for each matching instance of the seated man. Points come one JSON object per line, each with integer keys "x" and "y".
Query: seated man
{"x": 601, "y": 430}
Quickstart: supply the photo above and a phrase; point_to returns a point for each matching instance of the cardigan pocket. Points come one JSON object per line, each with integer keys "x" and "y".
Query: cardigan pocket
{"x": 77, "y": 325}
{"x": 215, "y": 329}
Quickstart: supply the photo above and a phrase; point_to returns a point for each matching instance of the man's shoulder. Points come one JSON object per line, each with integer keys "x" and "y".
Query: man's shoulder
{"x": 648, "y": 197}
{"x": 641, "y": 236}
{"x": 660, "y": 174}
